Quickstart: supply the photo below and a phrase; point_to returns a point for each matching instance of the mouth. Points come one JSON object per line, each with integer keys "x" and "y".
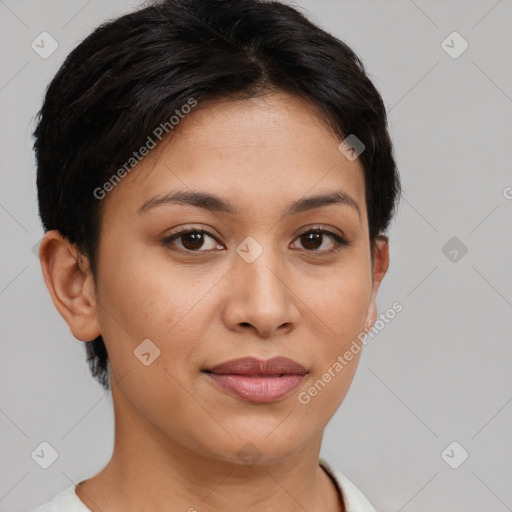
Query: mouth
{"x": 252, "y": 366}
{"x": 256, "y": 380}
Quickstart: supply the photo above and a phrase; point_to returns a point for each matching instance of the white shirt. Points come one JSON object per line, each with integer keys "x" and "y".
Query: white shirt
{"x": 353, "y": 498}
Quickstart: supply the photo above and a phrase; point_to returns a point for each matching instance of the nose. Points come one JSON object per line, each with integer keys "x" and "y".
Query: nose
{"x": 262, "y": 296}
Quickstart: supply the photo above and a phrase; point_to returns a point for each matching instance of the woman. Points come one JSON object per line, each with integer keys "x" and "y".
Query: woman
{"x": 215, "y": 179}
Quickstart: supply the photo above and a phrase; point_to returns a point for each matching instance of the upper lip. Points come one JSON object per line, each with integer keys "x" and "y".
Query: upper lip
{"x": 254, "y": 366}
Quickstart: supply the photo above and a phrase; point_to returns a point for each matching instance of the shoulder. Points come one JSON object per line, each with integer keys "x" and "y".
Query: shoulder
{"x": 65, "y": 501}
{"x": 354, "y": 499}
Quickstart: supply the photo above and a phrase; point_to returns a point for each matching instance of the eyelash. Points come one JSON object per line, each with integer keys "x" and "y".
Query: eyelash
{"x": 340, "y": 242}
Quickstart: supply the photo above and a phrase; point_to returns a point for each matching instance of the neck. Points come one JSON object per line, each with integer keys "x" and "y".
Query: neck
{"x": 149, "y": 471}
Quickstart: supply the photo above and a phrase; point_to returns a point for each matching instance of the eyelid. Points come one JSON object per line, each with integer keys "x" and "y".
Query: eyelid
{"x": 320, "y": 228}
{"x": 199, "y": 228}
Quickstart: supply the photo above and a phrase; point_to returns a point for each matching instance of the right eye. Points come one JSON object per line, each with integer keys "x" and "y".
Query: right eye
{"x": 191, "y": 240}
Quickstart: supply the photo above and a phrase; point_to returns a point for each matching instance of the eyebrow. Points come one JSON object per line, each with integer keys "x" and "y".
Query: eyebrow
{"x": 214, "y": 203}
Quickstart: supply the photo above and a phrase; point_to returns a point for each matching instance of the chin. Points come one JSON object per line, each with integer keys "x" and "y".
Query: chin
{"x": 265, "y": 447}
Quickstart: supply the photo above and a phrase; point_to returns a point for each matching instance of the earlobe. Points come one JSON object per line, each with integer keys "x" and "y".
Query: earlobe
{"x": 379, "y": 269}
{"x": 70, "y": 284}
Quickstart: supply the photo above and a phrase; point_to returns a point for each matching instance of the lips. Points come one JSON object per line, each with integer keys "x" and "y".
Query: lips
{"x": 257, "y": 381}
{"x": 251, "y": 366}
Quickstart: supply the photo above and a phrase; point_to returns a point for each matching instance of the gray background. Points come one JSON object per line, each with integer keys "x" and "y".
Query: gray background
{"x": 438, "y": 373}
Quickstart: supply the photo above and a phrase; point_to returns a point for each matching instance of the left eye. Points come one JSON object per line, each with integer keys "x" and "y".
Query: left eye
{"x": 313, "y": 240}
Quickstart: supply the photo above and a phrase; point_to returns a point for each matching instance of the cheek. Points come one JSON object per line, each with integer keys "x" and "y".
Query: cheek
{"x": 347, "y": 305}
{"x": 341, "y": 301}
{"x": 146, "y": 297}
{"x": 340, "y": 308}
{"x": 132, "y": 299}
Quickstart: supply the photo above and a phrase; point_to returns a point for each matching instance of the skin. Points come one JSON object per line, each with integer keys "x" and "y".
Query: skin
{"x": 176, "y": 433}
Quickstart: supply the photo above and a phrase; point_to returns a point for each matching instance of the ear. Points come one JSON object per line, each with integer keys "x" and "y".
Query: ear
{"x": 380, "y": 266}
{"x": 70, "y": 282}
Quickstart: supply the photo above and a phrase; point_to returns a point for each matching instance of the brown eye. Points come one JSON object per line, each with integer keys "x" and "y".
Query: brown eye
{"x": 312, "y": 240}
{"x": 192, "y": 240}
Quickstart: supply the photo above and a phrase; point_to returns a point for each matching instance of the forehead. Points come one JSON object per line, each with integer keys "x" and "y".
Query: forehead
{"x": 261, "y": 151}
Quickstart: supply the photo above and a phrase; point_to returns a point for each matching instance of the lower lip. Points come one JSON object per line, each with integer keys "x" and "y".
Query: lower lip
{"x": 257, "y": 389}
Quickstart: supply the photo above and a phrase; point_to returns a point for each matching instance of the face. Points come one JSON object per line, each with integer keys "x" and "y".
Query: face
{"x": 206, "y": 281}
